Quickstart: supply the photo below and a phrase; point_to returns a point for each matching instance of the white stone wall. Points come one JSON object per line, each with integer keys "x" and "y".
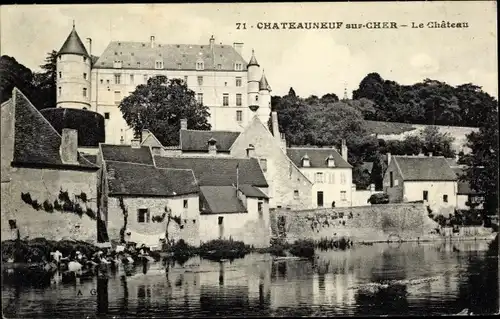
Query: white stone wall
{"x": 332, "y": 185}
{"x": 413, "y": 191}
{"x": 71, "y": 82}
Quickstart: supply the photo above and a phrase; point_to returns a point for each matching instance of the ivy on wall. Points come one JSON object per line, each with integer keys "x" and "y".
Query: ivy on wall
{"x": 63, "y": 203}
{"x": 125, "y": 219}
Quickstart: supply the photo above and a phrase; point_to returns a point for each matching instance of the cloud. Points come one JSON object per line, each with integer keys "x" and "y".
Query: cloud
{"x": 424, "y": 64}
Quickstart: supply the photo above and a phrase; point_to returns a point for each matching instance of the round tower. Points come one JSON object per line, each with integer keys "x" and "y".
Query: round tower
{"x": 253, "y": 68}
{"x": 73, "y": 74}
{"x": 264, "y": 99}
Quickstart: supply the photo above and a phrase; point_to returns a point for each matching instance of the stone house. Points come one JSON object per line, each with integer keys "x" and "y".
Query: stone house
{"x": 131, "y": 183}
{"x": 48, "y": 189}
{"x": 233, "y": 197}
{"x": 422, "y": 178}
{"x": 329, "y": 171}
{"x": 465, "y": 194}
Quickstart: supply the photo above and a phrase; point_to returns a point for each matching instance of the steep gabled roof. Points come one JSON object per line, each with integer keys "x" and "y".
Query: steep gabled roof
{"x": 36, "y": 142}
{"x": 73, "y": 45}
{"x": 140, "y": 55}
{"x": 126, "y": 153}
{"x": 217, "y": 171}
{"x": 317, "y": 157}
{"x": 220, "y": 200}
{"x": 423, "y": 168}
{"x": 251, "y": 191}
{"x": 197, "y": 141}
{"x": 145, "y": 180}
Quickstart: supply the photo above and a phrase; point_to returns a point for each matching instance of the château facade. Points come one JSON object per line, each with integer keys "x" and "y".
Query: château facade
{"x": 234, "y": 90}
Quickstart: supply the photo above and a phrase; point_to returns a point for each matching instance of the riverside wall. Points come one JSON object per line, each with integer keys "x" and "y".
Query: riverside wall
{"x": 394, "y": 222}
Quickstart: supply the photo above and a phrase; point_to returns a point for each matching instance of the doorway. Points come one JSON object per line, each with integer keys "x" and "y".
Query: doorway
{"x": 319, "y": 199}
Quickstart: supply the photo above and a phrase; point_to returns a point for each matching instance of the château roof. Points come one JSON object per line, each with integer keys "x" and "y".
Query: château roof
{"x": 73, "y": 45}
{"x": 263, "y": 84}
{"x": 253, "y": 60}
{"x": 317, "y": 157}
{"x": 141, "y": 55}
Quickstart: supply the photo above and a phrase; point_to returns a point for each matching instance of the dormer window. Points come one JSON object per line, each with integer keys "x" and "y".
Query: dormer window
{"x": 199, "y": 65}
{"x": 305, "y": 161}
{"x": 117, "y": 64}
{"x": 330, "y": 161}
{"x": 238, "y": 66}
{"x": 159, "y": 64}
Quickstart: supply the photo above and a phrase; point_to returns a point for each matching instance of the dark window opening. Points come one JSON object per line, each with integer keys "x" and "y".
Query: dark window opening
{"x": 426, "y": 195}
{"x": 445, "y": 198}
{"x": 391, "y": 179}
{"x": 12, "y": 224}
{"x": 143, "y": 215}
{"x": 106, "y": 115}
{"x": 185, "y": 203}
{"x": 221, "y": 219}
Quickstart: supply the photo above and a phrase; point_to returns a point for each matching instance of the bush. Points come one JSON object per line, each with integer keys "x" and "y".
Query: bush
{"x": 303, "y": 248}
{"x": 90, "y": 125}
{"x": 379, "y": 198}
{"x": 223, "y": 249}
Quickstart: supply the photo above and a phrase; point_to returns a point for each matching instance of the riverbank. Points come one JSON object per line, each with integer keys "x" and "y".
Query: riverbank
{"x": 428, "y": 239}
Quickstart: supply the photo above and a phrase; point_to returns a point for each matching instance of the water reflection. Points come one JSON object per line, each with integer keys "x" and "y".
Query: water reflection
{"x": 413, "y": 279}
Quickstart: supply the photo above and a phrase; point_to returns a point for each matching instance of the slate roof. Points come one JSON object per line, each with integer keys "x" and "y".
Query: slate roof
{"x": 217, "y": 171}
{"x": 263, "y": 84}
{"x": 463, "y": 187}
{"x": 140, "y": 55}
{"x": 192, "y": 140}
{"x": 317, "y": 157}
{"x": 91, "y": 158}
{"x": 146, "y": 180}
{"x": 251, "y": 191}
{"x": 125, "y": 153}
{"x": 73, "y": 45}
{"x": 220, "y": 200}
{"x": 423, "y": 168}
{"x": 36, "y": 142}
{"x": 253, "y": 60}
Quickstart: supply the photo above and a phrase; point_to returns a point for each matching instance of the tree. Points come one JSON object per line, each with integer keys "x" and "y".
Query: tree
{"x": 44, "y": 83}
{"x": 291, "y": 92}
{"x": 13, "y": 74}
{"x": 378, "y": 170}
{"x": 436, "y": 142}
{"x": 482, "y": 162}
{"x": 160, "y": 105}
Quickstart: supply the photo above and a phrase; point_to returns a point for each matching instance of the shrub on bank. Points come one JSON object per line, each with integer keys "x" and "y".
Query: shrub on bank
{"x": 302, "y": 248}
{"x": 342, "y": 243}
{"x": 39, "y": 249}
{"x": 223, "y": 249}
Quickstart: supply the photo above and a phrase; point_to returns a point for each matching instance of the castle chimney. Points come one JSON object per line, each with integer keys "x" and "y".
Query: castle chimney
{"x": 135, "y": 143}
{"x": 212, "y": 42}
{"x": 250, "y": 151}
{"x": 184, "y": 124}
{"x": 344, "y": 150}
{"x": 152, "y": 41}
{"x": 388, "y": 159}
{"x": 69, "y": 146}
{"x": 238, "y": 47}
{"x": 89, "y": 48}
{"x": 212, "y": 146}
{"x": 276, "y": 128}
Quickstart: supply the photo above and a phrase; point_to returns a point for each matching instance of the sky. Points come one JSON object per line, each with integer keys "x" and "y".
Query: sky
{"x": 313, "y": 62}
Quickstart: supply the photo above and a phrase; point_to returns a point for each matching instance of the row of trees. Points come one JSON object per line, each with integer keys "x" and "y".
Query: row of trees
{"x": 428, "y": 102}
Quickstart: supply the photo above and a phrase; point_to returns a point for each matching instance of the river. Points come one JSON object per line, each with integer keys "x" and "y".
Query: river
{"x": 382, "y": 279}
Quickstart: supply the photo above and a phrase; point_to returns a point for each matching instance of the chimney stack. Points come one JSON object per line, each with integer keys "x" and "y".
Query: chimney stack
{"x": 212, "y": 147}
{"x": 69, "y": 146}
{"x": 89, "y": 48}
{"x": 344, "y": 150}
{"x": 250, "y": 151}
{"x": 212, "y": 42}
{"x": 135, "y": 143}
{"x": 238, "y": 47}
{"x": 184, "y": 124}
{"x": 388, "y": 159}
{"x": 152, "y": 41}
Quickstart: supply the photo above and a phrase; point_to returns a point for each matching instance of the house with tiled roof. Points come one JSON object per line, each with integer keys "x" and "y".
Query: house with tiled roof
{"x": 131, "y": 183}
{"x": 233, "y": 197}
{"x": 422, "y": 178}
{"x": 329, "y": 171}
{"x": 233, "y": 89}
{"x": 466, "y": 195}
{"x": 48, "y": 188}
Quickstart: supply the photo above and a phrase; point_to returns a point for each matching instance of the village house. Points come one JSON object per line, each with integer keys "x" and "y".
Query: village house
{"x": 48, "y": 189}
{"x": 233, "y": 197}
{"x": 466, "y": 196}
{"x": 422, "y": 178}
{"x": 288, "y": 186}
{"x": 330, "y": 172}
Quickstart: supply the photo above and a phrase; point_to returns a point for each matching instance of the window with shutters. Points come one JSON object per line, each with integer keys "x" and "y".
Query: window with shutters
{"x": 319, "y": 177}
{"x": 199, "y": 98}
{"x": 225, "y": 99}
{"x": 239, "y": 116}
{"x": 238, "y": 81}
{"x": 118, "y": 78}
{"x": 238, "y": 99}
{"x": 200, "y": 80}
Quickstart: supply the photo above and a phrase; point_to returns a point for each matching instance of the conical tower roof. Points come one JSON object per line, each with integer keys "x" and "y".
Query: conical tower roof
{"x": 73, "y": 45}
{"x": 263, "y": 84}
{"x": 253, "y": 60}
